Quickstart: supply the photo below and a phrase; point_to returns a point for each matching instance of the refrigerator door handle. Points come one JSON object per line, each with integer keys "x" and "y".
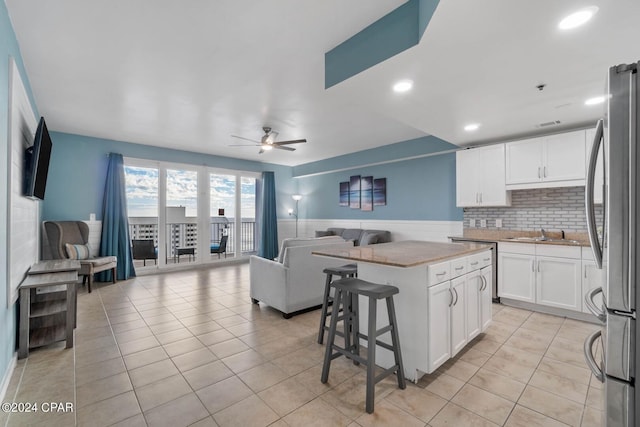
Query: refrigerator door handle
{"x": 589, "y": 202}
{"x": 588, "y": 355}
{"x": 591, "y": 305}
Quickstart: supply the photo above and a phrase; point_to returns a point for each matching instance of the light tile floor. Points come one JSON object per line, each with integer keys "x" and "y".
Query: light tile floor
{"x": 188, "y": 348}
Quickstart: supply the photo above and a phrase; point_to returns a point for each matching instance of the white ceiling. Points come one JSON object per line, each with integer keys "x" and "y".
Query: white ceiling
{"x": 189, "y": 74}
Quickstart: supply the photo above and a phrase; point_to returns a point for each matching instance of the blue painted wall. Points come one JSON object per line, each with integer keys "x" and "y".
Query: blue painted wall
{"x": 8, "y": 48}
{"x": 417, "y": 189}
{"x": 78, "y": 170}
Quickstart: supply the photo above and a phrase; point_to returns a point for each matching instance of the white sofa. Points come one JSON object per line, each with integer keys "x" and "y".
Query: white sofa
{"x": 294, "y": 281}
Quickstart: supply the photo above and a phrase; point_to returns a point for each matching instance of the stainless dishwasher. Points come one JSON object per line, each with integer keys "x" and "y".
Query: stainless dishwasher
{"x": 494, "y": 261}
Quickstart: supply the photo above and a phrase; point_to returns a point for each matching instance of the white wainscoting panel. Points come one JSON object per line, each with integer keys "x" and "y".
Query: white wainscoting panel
{"x": 23, "y": 232}
{"x": 95, "y": 234}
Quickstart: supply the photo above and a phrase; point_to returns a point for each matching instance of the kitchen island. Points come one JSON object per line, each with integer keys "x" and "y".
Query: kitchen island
{"x": 444, "y": 300}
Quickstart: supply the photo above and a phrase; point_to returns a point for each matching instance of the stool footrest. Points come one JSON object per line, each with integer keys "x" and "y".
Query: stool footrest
{"x": 378, "y": 342}
{"x": 386, "y": 373}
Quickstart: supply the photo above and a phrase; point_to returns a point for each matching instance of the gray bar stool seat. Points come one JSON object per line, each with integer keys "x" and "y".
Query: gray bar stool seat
{"x": 347, "y": 270}
{"x": 347, "y": 291}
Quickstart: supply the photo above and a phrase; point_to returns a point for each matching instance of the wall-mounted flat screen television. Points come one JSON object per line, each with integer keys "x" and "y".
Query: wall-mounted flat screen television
{"x": 36, "y": 161}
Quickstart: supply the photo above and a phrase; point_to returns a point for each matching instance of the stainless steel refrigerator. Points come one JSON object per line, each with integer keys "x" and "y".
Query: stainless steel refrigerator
{"x": 615, "y": 243}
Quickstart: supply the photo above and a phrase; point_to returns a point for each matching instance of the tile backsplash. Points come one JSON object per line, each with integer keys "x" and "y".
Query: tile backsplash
{"x": 549, "y": 208}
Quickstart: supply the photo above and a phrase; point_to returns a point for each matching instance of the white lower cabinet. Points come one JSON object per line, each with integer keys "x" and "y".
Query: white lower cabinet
{"x": 440, "y": 299}
{"x": 486, "y": 303}
{"x": 549, "y": 275}
{"x": 458, "y": 315}
{"x": 558, "y": 282}
{"x": 516, "y": 276}
{"x": 459, "y": 308}
{"x": 473, "y": 292}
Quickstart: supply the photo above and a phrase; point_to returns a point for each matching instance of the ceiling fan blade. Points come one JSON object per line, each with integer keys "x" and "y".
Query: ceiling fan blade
{"x": 283, "y": 148}
{"x": 243, "y": 145}
{"x": 246, "y": 139}
{"x": 293, "y": 141}
{"x": 261, "y": 151}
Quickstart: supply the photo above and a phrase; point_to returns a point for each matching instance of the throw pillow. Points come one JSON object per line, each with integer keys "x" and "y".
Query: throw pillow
{"x": 78, "y": 251}
{"x": 322, "y": 233}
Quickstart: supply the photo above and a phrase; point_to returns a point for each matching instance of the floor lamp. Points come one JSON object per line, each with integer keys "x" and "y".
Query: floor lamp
{"x": 297, "y": 198}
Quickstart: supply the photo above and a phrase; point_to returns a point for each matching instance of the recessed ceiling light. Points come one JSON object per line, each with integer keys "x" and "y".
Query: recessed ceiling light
{"x": 594, "y": 101}
{"x": 578, "y": 18}
{"x": 471, "y": 127}
{"x": 403, "y": 86}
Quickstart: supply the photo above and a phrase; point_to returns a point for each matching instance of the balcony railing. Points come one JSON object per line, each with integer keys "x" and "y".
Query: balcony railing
{"x": 185, "y": 235}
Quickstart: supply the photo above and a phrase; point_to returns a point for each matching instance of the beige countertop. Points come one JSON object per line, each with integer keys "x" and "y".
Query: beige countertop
{"x": 407, "y": 253}
{"x": 510, "y": 236}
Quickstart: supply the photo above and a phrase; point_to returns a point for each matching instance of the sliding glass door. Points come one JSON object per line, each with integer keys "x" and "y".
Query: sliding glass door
{"x": 180, "y": 214}
{"x": 142, "y": 206}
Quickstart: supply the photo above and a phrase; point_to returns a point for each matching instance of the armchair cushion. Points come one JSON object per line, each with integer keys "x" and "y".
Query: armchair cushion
{"x": 77, "y": 251}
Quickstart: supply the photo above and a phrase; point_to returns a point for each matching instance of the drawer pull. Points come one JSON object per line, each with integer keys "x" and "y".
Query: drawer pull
{"x": 486, "y": 259}
{"x": 474, "y": 263}
{"x": 459, "y": 268}
{"x": 441, "y": 274}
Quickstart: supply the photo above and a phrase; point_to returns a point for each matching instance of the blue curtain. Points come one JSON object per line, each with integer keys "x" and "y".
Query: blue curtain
{"x": 268, "y": 220}
{"x": 115, "y": 222}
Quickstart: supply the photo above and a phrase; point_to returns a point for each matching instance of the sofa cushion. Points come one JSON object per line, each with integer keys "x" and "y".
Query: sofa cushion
{"x": 337, "y": 231}
{"x": 370, "y": 237}
{"x": 352, "y": 234}
{"x": 322, "y": 233}
{"x": 77, "y": 251}
{"x": 305, "y": 241}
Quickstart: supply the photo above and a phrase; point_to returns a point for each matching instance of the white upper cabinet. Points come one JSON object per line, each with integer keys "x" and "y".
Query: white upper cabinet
{"x": 549, "y": 161}
{"x": 599, "y": 175}
{"x": 480, "y": 174}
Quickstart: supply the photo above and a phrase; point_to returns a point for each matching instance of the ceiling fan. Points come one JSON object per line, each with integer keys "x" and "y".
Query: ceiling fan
{"x": 267, "y": 142}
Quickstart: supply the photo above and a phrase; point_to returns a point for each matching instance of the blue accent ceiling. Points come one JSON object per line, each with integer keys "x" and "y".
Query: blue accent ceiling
{"x": 385, "y": 38}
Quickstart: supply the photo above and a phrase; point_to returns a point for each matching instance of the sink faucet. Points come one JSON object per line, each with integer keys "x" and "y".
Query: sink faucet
{"x": 544, "y": 236}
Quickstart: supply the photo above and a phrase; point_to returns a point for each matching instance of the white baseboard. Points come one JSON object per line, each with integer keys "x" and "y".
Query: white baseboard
{"x": 434, "y": 231}
{"x": 6, "y": 379}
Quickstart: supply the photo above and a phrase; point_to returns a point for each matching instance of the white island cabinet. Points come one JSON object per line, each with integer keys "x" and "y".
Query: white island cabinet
{"x": 443, "y": 303}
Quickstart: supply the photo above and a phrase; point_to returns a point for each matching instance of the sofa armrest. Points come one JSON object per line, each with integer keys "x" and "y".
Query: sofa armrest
{"x": 268, "y": 281}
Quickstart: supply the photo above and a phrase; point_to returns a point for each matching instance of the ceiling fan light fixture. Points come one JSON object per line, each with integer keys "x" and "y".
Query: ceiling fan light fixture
{"x": 471, "y": 127}
{"x": 578, "y": 18}
{"x": 267, "y": 147}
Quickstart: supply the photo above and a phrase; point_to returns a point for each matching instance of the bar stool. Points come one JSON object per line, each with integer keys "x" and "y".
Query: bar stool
{"x": 346, "y": 293}
{"x": 348, "y": 270}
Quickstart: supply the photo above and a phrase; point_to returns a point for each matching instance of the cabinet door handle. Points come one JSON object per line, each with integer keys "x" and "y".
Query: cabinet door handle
{"x": 480, "y": 197}
{"x": 451, "y": 295}
{"x": 483, "y": 283}
{"x": 533, "y": 267}
{"x": 539, "y": 172}
{"x": 585, "y": 271}
{"x": 538, "y": 266}
{"x": 477, "y": 197}
{"x": 456, "y": 291}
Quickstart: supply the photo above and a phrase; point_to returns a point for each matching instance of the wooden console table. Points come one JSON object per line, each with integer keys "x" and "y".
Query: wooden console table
{"x": 47, "y": 317}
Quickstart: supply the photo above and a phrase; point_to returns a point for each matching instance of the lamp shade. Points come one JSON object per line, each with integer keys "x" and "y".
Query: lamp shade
{"x": 296, "y": 197}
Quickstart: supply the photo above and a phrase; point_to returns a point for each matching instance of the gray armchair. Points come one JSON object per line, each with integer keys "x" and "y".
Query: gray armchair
{"x": 60, "y": 233}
